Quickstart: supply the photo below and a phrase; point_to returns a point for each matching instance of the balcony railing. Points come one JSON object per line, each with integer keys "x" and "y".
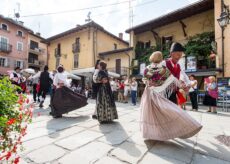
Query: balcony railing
{"x": 57, "y": 52}
{"x": 121, "y": 70}
{"x": 5, "y": 47}
{"x": 33, "y": 61}
{"x": 36, "y": 50}
{"x": 75, "y": 47}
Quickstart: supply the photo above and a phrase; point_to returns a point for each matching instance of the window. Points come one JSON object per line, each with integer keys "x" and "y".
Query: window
{"x": 33, "y": 45}
{"x": 4, "y": 26}
{"x": 19, "y": 46}
{"x": 115, "y": 46}
{"x": 76, "y": 59}
{"x": 3, "y": 62}
{"x": 4, "y": 43}
{"x": 20, "y": 33}
{"x": 166, "y": 42}
{"x": 19, "y": 63}
{"x": 147, "y": 44}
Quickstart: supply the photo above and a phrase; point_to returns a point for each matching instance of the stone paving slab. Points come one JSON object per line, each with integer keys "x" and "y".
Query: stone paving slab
{"x": 202, "y": 159}
{"x": 109, "y": 160}
{"x": 129, "y": 152}
{"x": 115, "y": 137}
{"x": 78, "y": 140}
{"x": 173, "y": 150}
{"x": 151, "y": 158}
{"x": 87, "y": 154}
{"x": 46, "y": 154}
{"x": 36, "y": 143}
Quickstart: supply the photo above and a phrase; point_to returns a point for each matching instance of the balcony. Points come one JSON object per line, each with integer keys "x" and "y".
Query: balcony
{"x": 75, "y": 47}
{"x": 5, "y": 47}
{"x": 32, "y": 61}
{"x": 57, "y": 52}
{"x": 36, "y": 50}
{"x": 122, "y": 70}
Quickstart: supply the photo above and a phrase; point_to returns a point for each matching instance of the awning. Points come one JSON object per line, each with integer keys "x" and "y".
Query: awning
{"x": 88, "y": 72}
{"x": 68, "y": 74}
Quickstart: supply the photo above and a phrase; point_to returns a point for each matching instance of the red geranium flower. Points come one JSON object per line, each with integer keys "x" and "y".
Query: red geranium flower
{"x": 11, "y": 121}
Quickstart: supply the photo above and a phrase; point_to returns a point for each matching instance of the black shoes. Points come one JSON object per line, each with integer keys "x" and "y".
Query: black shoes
{"x": 94, "y": 117}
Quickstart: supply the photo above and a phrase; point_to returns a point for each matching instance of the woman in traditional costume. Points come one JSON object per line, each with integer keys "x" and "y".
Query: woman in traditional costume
{"x": 105, "y": 104}
{"x": 160, "y": 118}
{"x": 64, "y": 99}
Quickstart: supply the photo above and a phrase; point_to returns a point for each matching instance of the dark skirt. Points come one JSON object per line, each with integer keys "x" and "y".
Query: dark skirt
{"x": 209, "y": 101}
{"x": 106, "y": 108}
{"x": 65, "y": 100}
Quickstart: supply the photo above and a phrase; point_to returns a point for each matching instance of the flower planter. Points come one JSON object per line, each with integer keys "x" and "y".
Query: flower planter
{"x": 15, "y": 114}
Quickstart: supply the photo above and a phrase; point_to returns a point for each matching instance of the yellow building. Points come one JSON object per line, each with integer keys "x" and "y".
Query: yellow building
{"x": 176, "y": 26}
{"x": 80, "y": 47}
{"x": 37, "y": 51}
{"x": 119, "y": 60}
{"x": 222, "y": 39}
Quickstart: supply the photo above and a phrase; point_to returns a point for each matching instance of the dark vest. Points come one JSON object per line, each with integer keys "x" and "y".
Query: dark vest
{"x": 176, "y": 72}
{"x": 45, "y": 81}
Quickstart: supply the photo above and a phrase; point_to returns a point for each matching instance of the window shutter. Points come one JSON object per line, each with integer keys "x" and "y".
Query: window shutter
{"x": 22, "y": 65}
{"x": 6, "y": 62}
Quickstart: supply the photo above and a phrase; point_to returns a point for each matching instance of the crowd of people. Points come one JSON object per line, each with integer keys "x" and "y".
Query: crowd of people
{"x": 163, "y": 91}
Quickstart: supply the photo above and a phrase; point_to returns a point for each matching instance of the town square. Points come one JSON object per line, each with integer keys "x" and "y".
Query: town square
{"x": 119, "y": 81}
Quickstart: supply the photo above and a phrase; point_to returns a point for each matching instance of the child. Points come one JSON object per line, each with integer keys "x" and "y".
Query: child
{"x": 157, "y": 71}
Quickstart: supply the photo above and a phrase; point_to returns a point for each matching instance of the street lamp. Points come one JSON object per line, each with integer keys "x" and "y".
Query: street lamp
{"x": 223, "y": 22}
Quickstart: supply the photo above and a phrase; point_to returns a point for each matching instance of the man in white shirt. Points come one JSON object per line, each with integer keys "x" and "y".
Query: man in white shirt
{"x": 134, "y": 90}
{"x": 126, "y": 89}
{"x": 114, "y": 87}
{"x": 193, "y": 92}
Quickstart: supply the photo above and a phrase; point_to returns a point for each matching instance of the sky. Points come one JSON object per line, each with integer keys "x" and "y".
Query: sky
{"x": 113, "y": 15}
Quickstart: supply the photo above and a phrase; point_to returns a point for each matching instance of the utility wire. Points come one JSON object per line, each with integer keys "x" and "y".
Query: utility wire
{"x": 75, "y": 10}
{"x": 114, "y": 11}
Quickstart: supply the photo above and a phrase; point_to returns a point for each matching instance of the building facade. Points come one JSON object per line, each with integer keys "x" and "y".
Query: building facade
{"x": 119, "y": 61}
{"x": 13, "y": 45}
{"x": 179, "y": 26}
{"x": 80, "y": 47}
{"x": 222, "y": 52}
{"x": 37, "y": 51}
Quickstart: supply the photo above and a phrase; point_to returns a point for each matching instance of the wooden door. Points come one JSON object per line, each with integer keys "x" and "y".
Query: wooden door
{"x": 118, "y": 66}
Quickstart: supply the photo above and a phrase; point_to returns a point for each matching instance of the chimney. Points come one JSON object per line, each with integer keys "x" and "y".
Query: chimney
{"x": 21, "y": 23}
{"x": 121, "y": 35}
{"x": 38, "y": 33}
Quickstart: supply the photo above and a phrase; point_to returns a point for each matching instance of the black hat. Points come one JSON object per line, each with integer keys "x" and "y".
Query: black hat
{"x": 16, "y": 68}
{"x": 175, "y": 47}
{"x": 46, "y": 68}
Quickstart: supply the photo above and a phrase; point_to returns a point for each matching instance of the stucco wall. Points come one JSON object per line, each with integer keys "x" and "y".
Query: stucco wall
{"x": 42, "y": 56}
{"x": 14, "y": 55}
{"x": 219, "y": 39}
{"x": 106, "y": 42}
{"x": 195, "y": 24}
{"x": 67, "y": 59}
{"x": 88, "y": 55}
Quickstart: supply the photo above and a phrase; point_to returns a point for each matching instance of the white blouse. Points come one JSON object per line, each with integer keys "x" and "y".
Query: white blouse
{"x": 60, "y": 78}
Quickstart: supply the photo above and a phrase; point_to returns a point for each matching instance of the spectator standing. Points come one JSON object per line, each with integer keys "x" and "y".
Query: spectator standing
{"x": 121, "y": 91}
{"x": 127, "y": 84}
{"x": 134, "y": 90}
{"x": 193, "y": 92}
{"x": 211, "y": 94}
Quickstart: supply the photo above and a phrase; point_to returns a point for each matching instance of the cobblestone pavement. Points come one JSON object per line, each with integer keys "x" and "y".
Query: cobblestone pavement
{"x": 78, "y": 139}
